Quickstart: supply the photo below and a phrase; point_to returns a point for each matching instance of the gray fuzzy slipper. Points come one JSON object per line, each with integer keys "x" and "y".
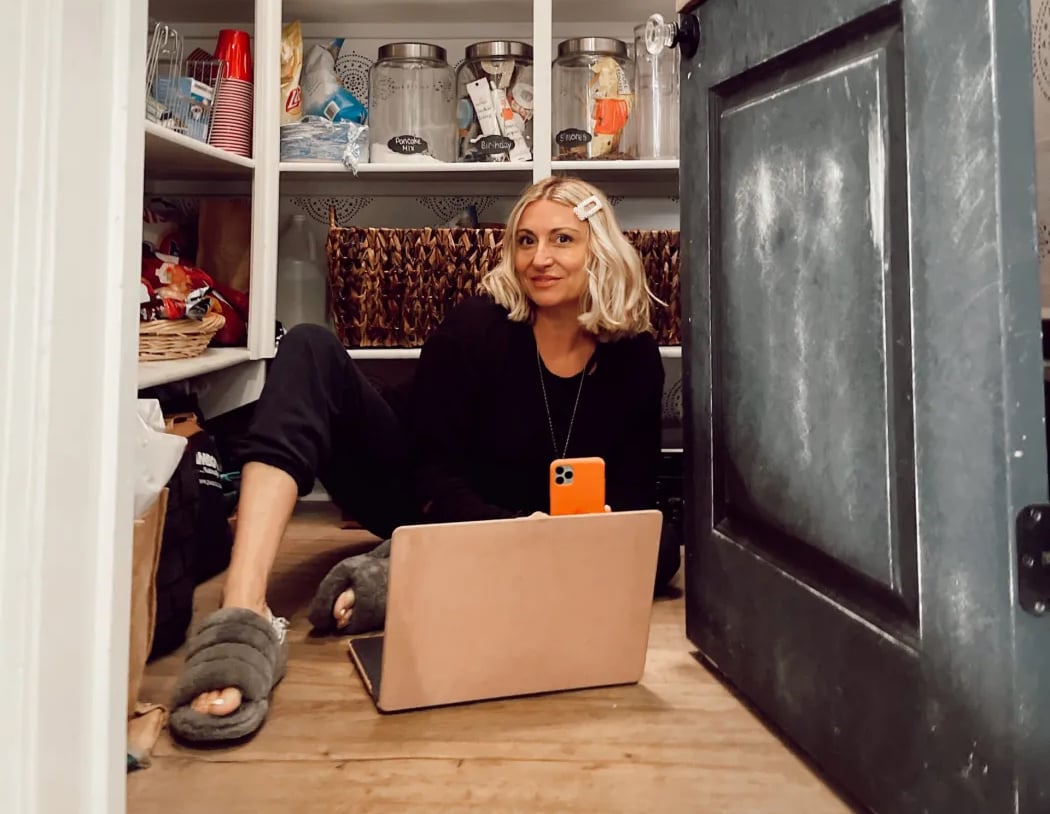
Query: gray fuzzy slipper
{"x": 367, "y": 575}
{"x": 234, "y": 647}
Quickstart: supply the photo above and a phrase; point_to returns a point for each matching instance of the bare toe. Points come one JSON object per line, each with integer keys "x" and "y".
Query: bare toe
{"x": 203, "y": 701}
{"x": 344, "y": 606}
{"x": 226, "y": 702}
{"x": 219, "y": 702}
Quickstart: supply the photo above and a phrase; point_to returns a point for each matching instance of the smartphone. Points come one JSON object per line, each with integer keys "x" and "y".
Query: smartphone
{"x": 577, "y": 486}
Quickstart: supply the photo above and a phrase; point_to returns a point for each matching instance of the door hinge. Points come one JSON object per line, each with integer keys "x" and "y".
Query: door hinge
{"x": 1033, "y": 559}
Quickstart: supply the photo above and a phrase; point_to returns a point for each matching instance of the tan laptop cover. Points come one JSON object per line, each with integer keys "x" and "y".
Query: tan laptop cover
{"x": 513, "y": 607}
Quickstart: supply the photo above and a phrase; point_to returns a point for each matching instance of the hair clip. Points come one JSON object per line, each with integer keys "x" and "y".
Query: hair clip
{"x": 587, "y": 207}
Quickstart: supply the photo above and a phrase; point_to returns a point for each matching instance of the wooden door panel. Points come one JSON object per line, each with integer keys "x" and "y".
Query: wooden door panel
{"x": 864, "y": 415}
{"x": 811, "y": 310}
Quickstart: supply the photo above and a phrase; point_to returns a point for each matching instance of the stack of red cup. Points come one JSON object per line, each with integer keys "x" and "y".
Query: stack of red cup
{"x": 232, "y": 113}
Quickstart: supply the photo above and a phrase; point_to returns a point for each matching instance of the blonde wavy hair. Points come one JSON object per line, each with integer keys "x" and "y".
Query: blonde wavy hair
{"x": 616, "y": 300}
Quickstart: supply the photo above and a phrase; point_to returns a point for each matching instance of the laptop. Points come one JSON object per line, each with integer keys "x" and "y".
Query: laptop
{"x": 502, "y": 608}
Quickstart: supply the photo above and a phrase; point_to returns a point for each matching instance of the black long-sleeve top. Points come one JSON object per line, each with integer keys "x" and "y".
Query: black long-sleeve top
{"x": 480, "y": 430}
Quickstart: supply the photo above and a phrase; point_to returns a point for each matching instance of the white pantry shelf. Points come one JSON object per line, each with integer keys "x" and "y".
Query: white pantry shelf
{"x": 331, "y": 177}
{"x": 618, "y": 170}
{"x": 524, "y": 168}
{"x": 173, "y": 155}
{"x": 383, "y": 353}
{"x": 617, "y": 165}
{"x": 628, "y": 178}
{"x": 366, "y": 354}
{"x": 428, "y": 172}
{"x": 152, "y": 374}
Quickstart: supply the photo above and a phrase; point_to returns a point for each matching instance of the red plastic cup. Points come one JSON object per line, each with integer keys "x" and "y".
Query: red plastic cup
{"x": 235, "y": 49}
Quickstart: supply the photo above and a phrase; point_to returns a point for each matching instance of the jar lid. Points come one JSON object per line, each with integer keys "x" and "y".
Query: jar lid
{"x": 412, "y": 50}
{"x": 593, "y": 45}
{"x": 498, "y": 48}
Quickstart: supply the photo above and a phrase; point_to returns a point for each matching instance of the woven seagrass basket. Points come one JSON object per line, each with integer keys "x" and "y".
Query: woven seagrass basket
{"x": 164, "y": 339}
{"x": 393, "y": 287}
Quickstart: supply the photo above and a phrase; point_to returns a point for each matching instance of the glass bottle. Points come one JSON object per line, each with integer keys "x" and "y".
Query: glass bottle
{"x": 302, "y": 282}
{"x": 592, "y": 98}
{"x": 412, "y": 113}
{"x": 495, "y": 102}
{"x": 654, "y": 120}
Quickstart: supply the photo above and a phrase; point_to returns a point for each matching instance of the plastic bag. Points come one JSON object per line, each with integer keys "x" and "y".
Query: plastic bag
{"x": 157, "y": 454}
{"x": 356, "y": 151}
{"x": 323, "y": 93}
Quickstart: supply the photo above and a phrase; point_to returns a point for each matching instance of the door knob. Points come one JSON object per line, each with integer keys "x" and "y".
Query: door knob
{"x": 660, "y": 34}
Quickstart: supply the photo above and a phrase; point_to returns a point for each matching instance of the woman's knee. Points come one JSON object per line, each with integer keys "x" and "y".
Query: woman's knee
{"x": 307, "y": 333}
{"x": 308, "y": 340}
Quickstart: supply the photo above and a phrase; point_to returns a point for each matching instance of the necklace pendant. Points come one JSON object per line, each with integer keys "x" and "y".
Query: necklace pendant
{"x": 547, "y": 406}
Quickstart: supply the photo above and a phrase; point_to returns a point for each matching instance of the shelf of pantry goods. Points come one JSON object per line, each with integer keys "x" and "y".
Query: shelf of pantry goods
{"x": 667, "y": 352}
{"x": 171, "y": 154}
{"x": 437, "y": 171}
{"x": 430, "y": 171}
{"x": 152, "y": 374}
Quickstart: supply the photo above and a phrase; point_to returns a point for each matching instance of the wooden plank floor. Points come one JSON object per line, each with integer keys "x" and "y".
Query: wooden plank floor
{"x": 677, "y": 742}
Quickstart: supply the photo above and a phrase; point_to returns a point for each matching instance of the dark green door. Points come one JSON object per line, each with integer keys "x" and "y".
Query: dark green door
{"x": 864, "y": 389}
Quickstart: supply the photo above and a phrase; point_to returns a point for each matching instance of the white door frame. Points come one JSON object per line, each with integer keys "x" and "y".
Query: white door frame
{"x": 70, "y": 229}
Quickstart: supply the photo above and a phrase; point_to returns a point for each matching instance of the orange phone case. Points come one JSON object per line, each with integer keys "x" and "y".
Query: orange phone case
{"x": 577, "y": 486}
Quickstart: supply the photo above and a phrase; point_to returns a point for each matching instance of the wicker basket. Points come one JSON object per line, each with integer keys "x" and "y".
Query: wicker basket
{"x": 393, "y": 287}
{"x": 164, "y": 339}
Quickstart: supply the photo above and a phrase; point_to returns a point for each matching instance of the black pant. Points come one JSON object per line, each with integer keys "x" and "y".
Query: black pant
{"x": 318, "y": 416}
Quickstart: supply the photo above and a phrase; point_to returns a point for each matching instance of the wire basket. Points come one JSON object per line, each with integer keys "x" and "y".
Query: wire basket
{"x": 181, "y": 93}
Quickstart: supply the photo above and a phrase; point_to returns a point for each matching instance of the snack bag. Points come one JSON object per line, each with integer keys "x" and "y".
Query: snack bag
{"x": 291, "y": 70}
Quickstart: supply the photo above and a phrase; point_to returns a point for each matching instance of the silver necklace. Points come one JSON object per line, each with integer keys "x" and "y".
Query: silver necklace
{"x": 546, "y": 404}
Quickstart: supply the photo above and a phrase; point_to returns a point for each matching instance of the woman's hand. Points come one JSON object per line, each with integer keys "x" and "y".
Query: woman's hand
{"x": 544, "y": 514}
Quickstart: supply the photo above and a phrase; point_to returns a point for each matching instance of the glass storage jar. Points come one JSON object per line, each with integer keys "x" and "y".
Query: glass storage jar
{"x": 654, "y": 121}
{"x": 495, "y": 101}
{"x": 411, "y": 114}
{"x": 593, "y": 98}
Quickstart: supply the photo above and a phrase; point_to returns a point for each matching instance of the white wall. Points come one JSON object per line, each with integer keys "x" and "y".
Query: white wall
{"x": 70, "y": 177}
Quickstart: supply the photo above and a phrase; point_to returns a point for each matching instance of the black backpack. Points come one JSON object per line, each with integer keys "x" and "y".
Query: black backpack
{"x": 197, "y": 540}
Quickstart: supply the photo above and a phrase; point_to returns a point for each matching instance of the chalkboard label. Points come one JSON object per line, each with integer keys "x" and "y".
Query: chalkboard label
{"x": 494, "y": 145}
{"x": 407, "y": 145}
{"x": 572, "y": 137}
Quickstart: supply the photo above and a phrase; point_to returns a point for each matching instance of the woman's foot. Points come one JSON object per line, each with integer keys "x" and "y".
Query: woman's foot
{"x": 351, "y": 599}
{"x": 226, "y": 701}
{"x": 344, "y": 606}
{"x": 220, "y": 702}
{"x": 233, "y": 647}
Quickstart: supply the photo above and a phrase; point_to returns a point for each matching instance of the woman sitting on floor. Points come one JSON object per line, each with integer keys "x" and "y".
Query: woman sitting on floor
{"x": 556, "y": 360}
